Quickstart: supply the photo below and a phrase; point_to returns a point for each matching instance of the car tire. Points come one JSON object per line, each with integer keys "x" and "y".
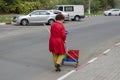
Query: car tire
{"x": 24, "y": 22}
{"x": 109, "y": 14}
{"x": 105, "y": 15}
{"x": 77, "y": 18}
{"x": 51, "y": 21}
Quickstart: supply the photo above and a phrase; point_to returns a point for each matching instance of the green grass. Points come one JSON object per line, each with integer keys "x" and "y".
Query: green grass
{"x": 7, "y": 17}
{"x": 97, "y": 13}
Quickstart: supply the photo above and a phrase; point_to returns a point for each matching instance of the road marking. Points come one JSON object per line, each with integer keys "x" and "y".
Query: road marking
{"x": 106, "y": 51}
{"x": 92, "y": 60}
{"x": 64, "y": 76}
{"x": 117, "y": 44}
{"x": 47, "y": 28}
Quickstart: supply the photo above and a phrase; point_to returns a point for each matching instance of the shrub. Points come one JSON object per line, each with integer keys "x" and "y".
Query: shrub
{"x": 26, "y": 7}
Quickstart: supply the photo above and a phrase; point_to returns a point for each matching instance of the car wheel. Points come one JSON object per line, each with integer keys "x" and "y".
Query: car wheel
{"x": 109, "y": 14}
{"x": 105, "y": 15}
{"x": 51, "y": 21}
{"x": 24, "y": 22}
{"x": 77, "y": 18}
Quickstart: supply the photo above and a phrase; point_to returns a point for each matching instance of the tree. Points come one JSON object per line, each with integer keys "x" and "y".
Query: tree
{"x": 2, "y": 4}
{"x": 15, "y": 5}
{"x": 117, "y": 3}
{"x": 95, "y": 5}
{"x": 12, "y": 2}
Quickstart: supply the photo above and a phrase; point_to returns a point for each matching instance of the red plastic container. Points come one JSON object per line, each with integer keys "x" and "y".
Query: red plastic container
{"x": 73, "y": 54}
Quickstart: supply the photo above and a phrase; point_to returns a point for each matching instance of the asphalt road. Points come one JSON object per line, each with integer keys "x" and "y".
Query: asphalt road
{"x": 24, "y": 51}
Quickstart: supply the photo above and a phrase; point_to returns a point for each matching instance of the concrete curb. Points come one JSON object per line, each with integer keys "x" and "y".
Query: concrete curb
{"x": 89, "y": 62}
{"x": 98, "y": 56}
{"x": 6, "y": 23}
{"x": 91, "y": 16}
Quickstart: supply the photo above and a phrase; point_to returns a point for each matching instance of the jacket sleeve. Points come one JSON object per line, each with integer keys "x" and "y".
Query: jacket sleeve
{"x": 63, "y": 35}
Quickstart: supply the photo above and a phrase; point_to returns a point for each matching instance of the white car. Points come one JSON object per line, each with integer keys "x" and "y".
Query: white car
{"x": 112, "y": 12}
{"x": 66, "y": 15}
{"x": 37, "y": 16}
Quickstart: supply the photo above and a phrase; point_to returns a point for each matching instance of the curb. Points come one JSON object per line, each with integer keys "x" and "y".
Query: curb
{"x": 89, "y": 62}
{"x": 6, "y": 23}
{"x": 97, "y": 57}
{"x": 91, "y": 16}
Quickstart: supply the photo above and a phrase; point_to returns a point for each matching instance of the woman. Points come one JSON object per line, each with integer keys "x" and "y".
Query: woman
{"x": 57, "y": 40}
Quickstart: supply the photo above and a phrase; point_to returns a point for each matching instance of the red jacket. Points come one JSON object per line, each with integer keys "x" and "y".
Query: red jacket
{"x": 57, "y": 38}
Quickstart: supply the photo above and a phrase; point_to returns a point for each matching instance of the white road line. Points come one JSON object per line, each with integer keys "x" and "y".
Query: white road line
{"x": 92, "y": 60}
{"x": 117, "y": 44}
{"x": 106, "y": 51}
{"x": 47, "y": 28}
{"x": 64, "y": 76}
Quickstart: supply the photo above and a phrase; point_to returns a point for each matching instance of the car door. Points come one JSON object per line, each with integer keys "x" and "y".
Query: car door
{"x": 115, "y": 12}
{"x": 34, "y": 17}
{"x": 44, "y": 16}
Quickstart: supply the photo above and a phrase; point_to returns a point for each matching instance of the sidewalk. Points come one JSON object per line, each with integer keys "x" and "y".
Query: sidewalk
{"x": 104, "y": 67}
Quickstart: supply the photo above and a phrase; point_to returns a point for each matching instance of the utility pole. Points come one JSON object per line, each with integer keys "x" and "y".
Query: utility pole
{"x": 89, "y": 7}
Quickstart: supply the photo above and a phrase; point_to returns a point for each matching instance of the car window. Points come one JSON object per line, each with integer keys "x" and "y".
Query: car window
{"x": 60, "y": 8}
{"x": 44, "y": 13}
{"x": 35, "y": 13}
{"x": 115, "y": 10}
{"x": 69, "y": 8}
{"x": 56, "y": 12}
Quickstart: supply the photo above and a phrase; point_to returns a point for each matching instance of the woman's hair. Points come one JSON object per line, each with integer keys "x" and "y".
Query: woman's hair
{"x": 59, "y": 17}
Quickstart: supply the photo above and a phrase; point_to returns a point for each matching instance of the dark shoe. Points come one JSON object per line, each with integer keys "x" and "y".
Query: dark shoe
{"x": 57, "y": 67}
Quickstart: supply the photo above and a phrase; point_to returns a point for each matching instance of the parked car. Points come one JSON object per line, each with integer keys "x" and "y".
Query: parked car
{"x": 112, "y": 12}
{"x": 37, "y": 16}
{"x": 58, "y": 11}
